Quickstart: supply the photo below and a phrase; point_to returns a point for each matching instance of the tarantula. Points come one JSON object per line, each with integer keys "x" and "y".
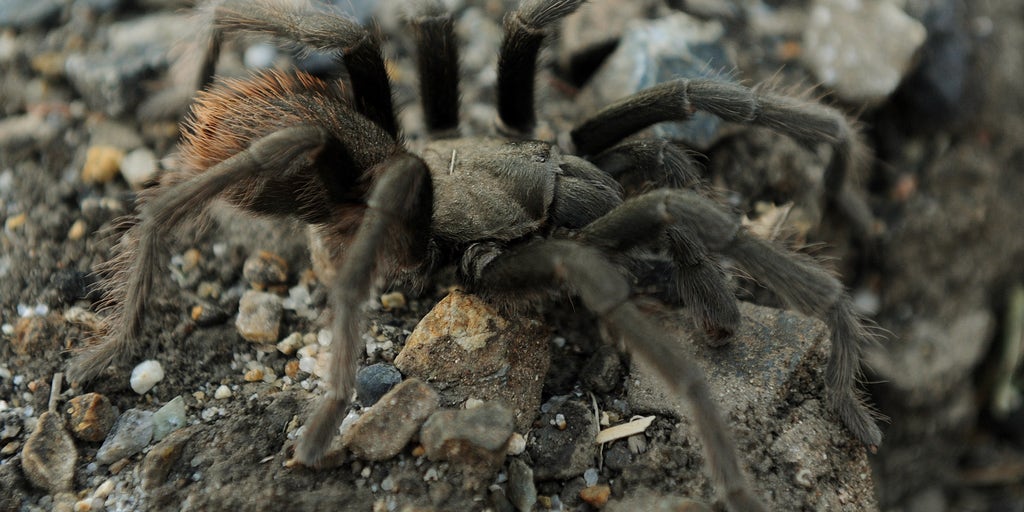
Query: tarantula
{"x": 512, "y": 214}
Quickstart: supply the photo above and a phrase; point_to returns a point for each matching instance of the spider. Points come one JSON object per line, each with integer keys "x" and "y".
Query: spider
{"x": 514, "y": 215}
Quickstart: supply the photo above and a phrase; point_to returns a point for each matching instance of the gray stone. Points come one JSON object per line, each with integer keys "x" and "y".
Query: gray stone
{"x": 767, "y": 382}
{"x": 473, "y": 440}
{"x": 168, "y": 418}
{"x": 49, "y": 456}
{"x": 522, "y": 493}
{"x": 564, "y": 450}
{"x": 755, "y": 367}
{"x": 655, "y": 51}
{"x": 603, "y": 371}
{"x": 962, "y": 340}
{"x": 21, "y": 135}
{"x": 374, "y": 381}
{"x": 161, "y": 458}
{"x": 862, "y": 50}
{"x": 617, "y": 456}
{"x": 384, "y": 429}
{"x": 466, "y": 349}
{"x": 112, "y": 83}
{"x": 28, "y": 13}
{"x": 131, "y": 433}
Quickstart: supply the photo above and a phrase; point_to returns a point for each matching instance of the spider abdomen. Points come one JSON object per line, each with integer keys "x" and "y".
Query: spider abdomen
{"x": 227, "y": 118}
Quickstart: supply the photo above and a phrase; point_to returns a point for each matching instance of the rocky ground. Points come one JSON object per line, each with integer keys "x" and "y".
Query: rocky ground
{"x": 511, "y": 404}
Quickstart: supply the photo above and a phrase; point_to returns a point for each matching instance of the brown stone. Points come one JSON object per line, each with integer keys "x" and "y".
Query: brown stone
{"x": 466, "y": 349}
{"x": 90, "y": 417}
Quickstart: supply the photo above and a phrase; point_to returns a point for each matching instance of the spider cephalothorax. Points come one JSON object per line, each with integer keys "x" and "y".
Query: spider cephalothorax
{"x": 513, "y": 214}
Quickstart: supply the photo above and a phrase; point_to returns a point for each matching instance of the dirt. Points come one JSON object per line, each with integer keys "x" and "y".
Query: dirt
{"x": 945, "y": 180}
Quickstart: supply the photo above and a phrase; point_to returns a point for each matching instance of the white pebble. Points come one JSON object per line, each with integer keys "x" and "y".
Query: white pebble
{"x": 307, "y": 364}
{"x": 290, "y": 344}
{"x": 138, "y": 167}
{"x": 222, "y": 392}
{"x": 259, "y": 56}
{"x": 324, "y": 337}
{"x": 146, "y": 375}
{"x": 516, "y": 444}
{"x": 104, "y": 489}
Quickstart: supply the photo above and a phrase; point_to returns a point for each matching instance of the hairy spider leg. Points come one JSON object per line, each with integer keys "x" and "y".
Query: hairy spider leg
{"x": 437, "y": 61}
{"x": 605, "y": 291}
{"x": 525, "y": 30}
{"x": 796, "y": 279}
{"x": 313, "y": 29}
{"x": 806, "y": 122}
{"x": 644, "y": 165}
{"x": 131, "y": 273}
{"x": 397, "y": 220}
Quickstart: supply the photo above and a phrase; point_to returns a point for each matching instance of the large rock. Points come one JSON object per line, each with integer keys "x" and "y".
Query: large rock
{"x": 768, "y": 384}
{"x": 465, "y": 349}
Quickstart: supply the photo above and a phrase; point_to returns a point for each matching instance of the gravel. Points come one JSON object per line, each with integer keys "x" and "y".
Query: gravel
{"x": 74, "y": 73}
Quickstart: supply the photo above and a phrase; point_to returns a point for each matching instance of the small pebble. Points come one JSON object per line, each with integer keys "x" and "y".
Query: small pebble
{"x": 521, "y": 490}
{"x": 146, "y": 375}
{"x": 516, "y": 444}
{"x": 77, "y": 230}
{"x": 15, "y": 222}
{"x": 132, "y": 432}
{"x": 259, "y": 56}
{"x": 104, "y": 489}
{"x": 259, "y": 316}
{"x": 207, "y": 314}
{"x": 373, "y": 381}
{"x": 264, "y": 270}
{"x": 168, "y": 418}
{"x": 222, "y": 392}
{"x": 101, "y": 164}
{"x": 91, "y": 417}
{"x": 138, "y": 167}
{"x": 254, "y": 375}
{"x": 290, "y": 344}
{"x": 596, "y": 495}
{"x": 291, "y": 368}
{"x": 475, "y": 440}
{"x": 307, "y": 364}
{"x": 191, "y": 259}
{"x": 559, "y": 422}
{"x": 156, "y": 465}
{"x": 34, "y": 332}
{"x": 393, "y": 300}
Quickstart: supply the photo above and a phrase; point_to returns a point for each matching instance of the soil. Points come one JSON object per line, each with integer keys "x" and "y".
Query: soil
{"x": 944, "y": 176}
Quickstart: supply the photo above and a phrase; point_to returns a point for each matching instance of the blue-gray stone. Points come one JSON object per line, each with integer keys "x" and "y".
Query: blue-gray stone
{"x": 168, "y": 418}
{"x": 656, "y": 51}
{"x": 131, "y": 433}
{"x": 374, "y": 381}
{"x": 28, "y": 13}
